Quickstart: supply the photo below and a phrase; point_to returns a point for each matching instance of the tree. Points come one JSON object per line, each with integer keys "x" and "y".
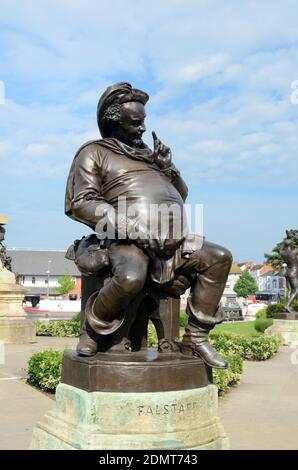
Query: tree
{"x": 274, "y": 257}
{"x": 245, "y": 285}
{"x": 66, "y": 284}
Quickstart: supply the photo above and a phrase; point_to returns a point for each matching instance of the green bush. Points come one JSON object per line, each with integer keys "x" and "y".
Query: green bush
{"x": 225, "y": 378}
{"x": 183, "y": 319}
{"x": 228, "y": 343}
{"x": 256, "y": 348}
{"x": 76, "y": 317}
{"x": 44, "y": 370}
{"x": 260, "y": 348}
{"x": 69, "y": 328}
{"x": 272, "y": 309}
{"x": 261, "y": 324}
{"x": 262, "y": 313}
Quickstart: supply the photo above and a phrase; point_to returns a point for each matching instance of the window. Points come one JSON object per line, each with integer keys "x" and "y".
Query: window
{"x": 33, "y": 280}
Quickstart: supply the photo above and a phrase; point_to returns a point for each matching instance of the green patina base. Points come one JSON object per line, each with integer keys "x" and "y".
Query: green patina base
{"x": 287, "y": 329}
{"x": 186, "y": 419}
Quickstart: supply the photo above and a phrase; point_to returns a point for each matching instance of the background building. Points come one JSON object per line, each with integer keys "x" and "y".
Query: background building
{"x": 39, "y": 271}
{"x": 268, "y": 280}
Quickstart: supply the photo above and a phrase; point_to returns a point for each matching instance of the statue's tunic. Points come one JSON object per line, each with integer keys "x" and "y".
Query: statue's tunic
{"x": 104, "y": 171}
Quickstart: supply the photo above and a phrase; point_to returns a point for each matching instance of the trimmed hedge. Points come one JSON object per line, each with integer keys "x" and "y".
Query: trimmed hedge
{"x": 261, "y": 324}
{"x": 69, "y": 328}
{"x": 272, "y": 309}
{"x": 254, "y": 348}
{"x": 226, "y": 378}
{"x": 44, "y": 370}
{"x": 261, "y": 313}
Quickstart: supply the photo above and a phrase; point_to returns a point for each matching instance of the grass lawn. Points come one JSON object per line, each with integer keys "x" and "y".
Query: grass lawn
{"x": 245, "y": 328}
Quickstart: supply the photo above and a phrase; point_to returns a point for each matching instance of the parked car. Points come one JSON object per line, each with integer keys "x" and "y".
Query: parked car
{"x": 33, "y": 299}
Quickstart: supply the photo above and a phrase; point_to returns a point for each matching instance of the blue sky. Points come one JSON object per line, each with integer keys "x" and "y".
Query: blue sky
{"x": 219, "y": 76}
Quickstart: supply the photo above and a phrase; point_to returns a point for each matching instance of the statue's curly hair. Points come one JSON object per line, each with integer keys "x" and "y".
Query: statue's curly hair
{"x": 111, "y": 116}
{"x": 112, "y": 113}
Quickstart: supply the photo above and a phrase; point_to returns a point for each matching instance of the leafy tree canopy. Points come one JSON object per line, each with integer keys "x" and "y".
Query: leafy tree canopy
{"x": 246, "y": 285}
{"x": 274, "y": 257}
{"x": 66, "y": 284}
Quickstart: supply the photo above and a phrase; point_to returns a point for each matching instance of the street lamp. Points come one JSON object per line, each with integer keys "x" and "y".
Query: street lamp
{"x": 48, "y": 274}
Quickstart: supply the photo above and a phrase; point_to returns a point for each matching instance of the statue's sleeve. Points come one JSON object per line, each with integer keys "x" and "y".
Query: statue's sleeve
{"x": 88, "y": 204}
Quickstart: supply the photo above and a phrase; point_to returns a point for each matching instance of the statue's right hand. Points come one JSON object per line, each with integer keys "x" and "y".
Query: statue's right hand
{"x": 138, "y": 233}
{"x": 149, "y": 244}
{"x": 162, "y": 153}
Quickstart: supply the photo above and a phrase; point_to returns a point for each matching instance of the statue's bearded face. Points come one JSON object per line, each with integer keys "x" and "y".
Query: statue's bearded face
{"x": 131, "y": 125}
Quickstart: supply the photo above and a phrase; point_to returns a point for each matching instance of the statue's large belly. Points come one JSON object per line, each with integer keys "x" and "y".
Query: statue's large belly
{"x": 150, "y": 199}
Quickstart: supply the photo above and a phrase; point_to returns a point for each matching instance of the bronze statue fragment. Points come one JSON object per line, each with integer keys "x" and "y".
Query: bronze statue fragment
{"x": 4, "y": 258}
{"x": 289, "y": 253}
{"x": 142, "y": 262}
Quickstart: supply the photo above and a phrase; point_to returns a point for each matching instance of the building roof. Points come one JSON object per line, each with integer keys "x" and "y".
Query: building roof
{"x": 266, "y": 268}
{"x": 235, "y": 269}
{"x": 30, "y": 263}
{"x": 256, "y": 267}
{"x": 246, "y": 265}
{"x": 272, "y": 273}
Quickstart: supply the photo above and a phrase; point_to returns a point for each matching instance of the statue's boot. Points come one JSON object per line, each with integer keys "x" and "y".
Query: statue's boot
{"x": 195, "y": 340}
{"x": 100, "y": 315}
{"x": 88, "y": 345}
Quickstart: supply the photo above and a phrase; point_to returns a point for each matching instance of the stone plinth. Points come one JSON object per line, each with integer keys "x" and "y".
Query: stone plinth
{"x": 286, "y": 329}
{"x": 173, "y": 417}
{"x": 185, "y": 419}
{"x": 14, "y": 327}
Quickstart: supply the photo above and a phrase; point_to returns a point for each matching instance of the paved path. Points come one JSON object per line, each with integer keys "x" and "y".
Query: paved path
{"x": 260, "y": 413}
{"x": 21, "y": 405}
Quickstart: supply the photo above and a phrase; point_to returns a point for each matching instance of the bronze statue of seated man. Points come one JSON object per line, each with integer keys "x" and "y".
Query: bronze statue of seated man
{"x": 113, "y": 186}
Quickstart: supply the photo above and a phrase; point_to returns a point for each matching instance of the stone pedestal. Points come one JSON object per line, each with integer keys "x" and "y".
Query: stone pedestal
{"x": 14, "y": 327}
{"x": 153, "y": 410}
{"x": 287, "y": 329}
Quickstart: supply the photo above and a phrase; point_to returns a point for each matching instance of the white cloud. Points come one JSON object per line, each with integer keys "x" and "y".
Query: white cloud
{"x": 219, "y": 75}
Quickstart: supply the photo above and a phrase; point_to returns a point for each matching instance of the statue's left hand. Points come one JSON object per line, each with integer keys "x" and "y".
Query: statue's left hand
{"x": 162, "y": 153}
